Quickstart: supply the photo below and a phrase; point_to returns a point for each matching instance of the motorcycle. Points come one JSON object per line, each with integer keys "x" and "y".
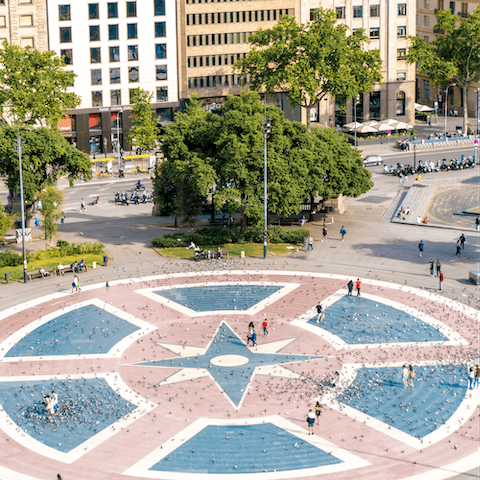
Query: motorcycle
{"x": 139, "y": 187}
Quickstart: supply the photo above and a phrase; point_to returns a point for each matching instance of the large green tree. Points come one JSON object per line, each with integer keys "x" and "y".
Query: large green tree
{"x": 6, "y": 222}
{"x": 310, "y": 61}
{"x": 34, "y": 86}
{"x": 46, "y": 157}
{"x": 52, "y": 201}
{"x": 454, "y": 56}
{"x": 221, "y": 155}
{"x": 144, "y": 131}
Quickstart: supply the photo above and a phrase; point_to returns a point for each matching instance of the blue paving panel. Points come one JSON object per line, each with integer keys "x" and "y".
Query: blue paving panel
{"x": 86, "y": 330}
{"x": 244, "y": 449}
{"x": 418, "y": 411}
{"x": 232, "y": 380}
{"x": 358, "y": 320}
{"x": 221, "y": 297}
{"x": 85, "y": 407}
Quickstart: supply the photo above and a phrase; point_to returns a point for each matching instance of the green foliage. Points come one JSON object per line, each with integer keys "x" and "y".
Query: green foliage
{"x": 144, "y": 131}
{"x": 34, "y": 86}
{"x": 10, "y": 259}
{"x": 453, "y": 56}
{"x": 217, "y": 236}
{"x": 6, "y": 222}
{"x": 311, "y": 60}
{"x": 46, "y": 156}
{"x": 52, "y": 201}
{"x": 65, "y": 249}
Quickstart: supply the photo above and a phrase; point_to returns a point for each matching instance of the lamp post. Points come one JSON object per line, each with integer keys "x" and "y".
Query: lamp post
{"x": 355, "y": 119}
{"x": 22, "y": 206}
{"x": 266, "y": 128}
{"x": 414, "y": 155}
{"x": 446, "y": 102}
{"x": 118, "y": 138}
{"x": 477, "y": 115}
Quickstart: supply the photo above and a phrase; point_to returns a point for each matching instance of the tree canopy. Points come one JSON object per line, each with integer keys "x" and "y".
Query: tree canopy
{"x": 52, "y": 200}
{"x": 311, "y": 60}
{"x": 221, "y": 154}
{"x": 144, "y": 131}
{"x": 34, "y": 86}
{"x": 453, "y": 56}
{"x": 46, "y": 156}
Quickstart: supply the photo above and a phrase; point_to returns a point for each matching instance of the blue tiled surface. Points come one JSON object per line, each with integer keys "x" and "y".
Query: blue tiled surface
{"x": 221, "y": 297}
{"x": 418, "y": 411}
{"x": 233, "y": 380}
{"x": 85, "y": 407}
{"x": 251, "y": 449}
{"x": 87, "y": 330}
{"x": 357, "y": 320}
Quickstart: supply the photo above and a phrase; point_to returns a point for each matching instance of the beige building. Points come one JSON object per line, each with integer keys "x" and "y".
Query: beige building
{"x": 24, "y": 23}
{"x": 426, "y": 93}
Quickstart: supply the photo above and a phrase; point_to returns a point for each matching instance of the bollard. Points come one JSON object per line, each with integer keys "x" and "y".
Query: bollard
{"x": 7, "y": 277}
{"x": 94, "y": 264}
{"x": 242, "y": 254}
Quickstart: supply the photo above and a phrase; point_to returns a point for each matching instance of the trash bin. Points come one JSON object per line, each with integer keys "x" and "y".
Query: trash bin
{"x": 7, "y": 277}
{"x": 105, "y": 260}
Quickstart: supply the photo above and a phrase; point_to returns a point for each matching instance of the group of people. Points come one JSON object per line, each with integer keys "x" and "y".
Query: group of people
{"x": 312, "y": 416}
{"x": 408, "y": 376}
{"x": 343, "y": 232}
{"x": 252, "y": 335}
{"x": 50, "y": 403}
{"x": 460, "y": 245}
{"x": 473, "y": 377}
{"x": 358, "y": 286}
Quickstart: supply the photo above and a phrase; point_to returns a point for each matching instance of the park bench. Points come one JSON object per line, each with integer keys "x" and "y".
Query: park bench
{"x": 65, "y": 269}
{"x": 289, "y": 221}
{"x": 38, "y": 274}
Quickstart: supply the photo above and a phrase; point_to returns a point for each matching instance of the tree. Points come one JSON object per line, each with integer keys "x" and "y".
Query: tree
{"x": 310, "y": 61}
{"x": 46, "y": 156}
{"x": 144, "y": 131}
{"x": 453, "y": 56}
{"x": 222, "y": 155}
{"x": 34, "y": 86}
{"x": 6, "y": 222}
{"x": 52, "y": 200}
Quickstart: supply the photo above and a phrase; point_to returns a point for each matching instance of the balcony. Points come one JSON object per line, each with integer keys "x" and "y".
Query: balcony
{"x": 462, "y": 14}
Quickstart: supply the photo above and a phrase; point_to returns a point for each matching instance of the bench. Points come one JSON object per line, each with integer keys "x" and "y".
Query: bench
{"x": 38, "y": 274}
{"x": 289, "y": 221}
{"x": 65, "y": 269}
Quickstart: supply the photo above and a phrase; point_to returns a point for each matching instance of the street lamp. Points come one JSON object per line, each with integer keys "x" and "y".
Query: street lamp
{"x": 446, "y": 101}
{"x": 266, "y": 129}
{"x": 414, "y": 155}
{"x": 355, "y": 119}
{"x": 118, "y": 138}
{"x": 477, "y": 115}
{"x": 22, "y": 206}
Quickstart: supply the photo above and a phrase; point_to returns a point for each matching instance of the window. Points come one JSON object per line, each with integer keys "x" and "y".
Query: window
{"x": 162, "y": 94}
{"x": 95, "y": 56}
{"x": 402, "y": 9}
{"x": 131, "y": 9}
{"x": 132, "y": 53}
{"x": 116, "y": 99}
{"x": 440, "y": 4}
{"x": 114, "y": 54}
{"x": 97, "y": 99}
{"x": 164, "y": 114}
{"x": 112, "y": 10}
{"x": 160, "y": 29}
{"x": 64, "y": 13}
{"x": 401, "y": 76}
{"x": 95, "y": 121}
{"x": 160, "y": 51}
{"x": 3, "y": 21}
{"x": 426, "y": 88}
{"x": 26, "y": 20}
{"x": 452, "y": 7}
{"x": 401, "y": 52}
{"x": 426, "y": 20}
{"x": 115, "y": 75}
{"x": 93, "y": 11}
{"x": 400, "y": 104}
{"x": 161, "y": 72}
{"x": 96, "y": 76}
{"x": 67, "y": 56}
{"x": 357, "y": 12}
{"x": 113, "y": 32}
{"x": 27, "y": 42}
{"x": 426, "y": 38}
{"x": 133, "y": 74}
{"x": 375, "y": 106}
{"x": 65, "y": 34}
{"x": 374, "y": 10}
{"x": 401, "y": 32}
{"x": 132, "y": 95}
{"x": 132, "y": 31}
{"x": 159, "y": 7}
{"x": 375, "y": 32}
{"x": 94, "y": 33}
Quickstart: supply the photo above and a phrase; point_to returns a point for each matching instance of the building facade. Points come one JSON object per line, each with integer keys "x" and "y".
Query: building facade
{"x": 114, "y": 47}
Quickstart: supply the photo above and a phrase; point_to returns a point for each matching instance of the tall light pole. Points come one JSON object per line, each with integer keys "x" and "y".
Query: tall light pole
{"x": 414, "y": 155}
{"x": 446, "y": 102}
{"x": 266, "y": 128}
{"x": 118, "y": 137}
{"x": 477, "y": 114}
{"x": 22, "y": 206}
{"x": 355, "y": 119}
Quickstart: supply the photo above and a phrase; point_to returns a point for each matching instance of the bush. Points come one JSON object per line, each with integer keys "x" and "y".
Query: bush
{"x": 10, "y": 259}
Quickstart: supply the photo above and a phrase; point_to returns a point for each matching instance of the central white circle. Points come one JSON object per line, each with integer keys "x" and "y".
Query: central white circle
{"x": 229, "y": 360}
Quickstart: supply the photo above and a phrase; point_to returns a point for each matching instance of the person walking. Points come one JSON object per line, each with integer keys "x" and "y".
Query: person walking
{"x": 320, "y": 313}
{"x": 324, "y": 233}
{"x": 405, "y": 375}
{"x": 311, "y": 422}
{"x": 477, "y": 223}
{"x": 359, "y": 286}
{"x": 82, "y": 206}
{"x": 438, "y": 266}
{"x": 458, "y": 249}
{"x": 318, "y": 411}
{"x": 440, "y": 280}
{"x": 477, "y": 376}
{"x": 310, "y": 243}
{"x": 471, "y": 377}
{"x": 265, "y": 327}
{"x": 462, "y": 241}
{"x": 432, "y": 267}
{"x": 75, "y": 285}
{"x": 411, "y": 375}
{"x": 343, "y": 232}
{"x": 350, "y": 288}
{"x": 421, "y": 246}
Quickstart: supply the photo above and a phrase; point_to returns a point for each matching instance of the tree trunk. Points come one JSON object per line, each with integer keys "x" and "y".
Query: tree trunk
{"x": 243, "y": 220}
{"x": 465, "y": 110}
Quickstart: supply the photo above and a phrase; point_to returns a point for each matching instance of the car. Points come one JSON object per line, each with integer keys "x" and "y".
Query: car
{"x": 373, "y": 160}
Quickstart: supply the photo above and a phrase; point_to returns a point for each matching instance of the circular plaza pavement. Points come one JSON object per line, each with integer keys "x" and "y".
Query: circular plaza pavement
{"x": 155, "y": 380}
